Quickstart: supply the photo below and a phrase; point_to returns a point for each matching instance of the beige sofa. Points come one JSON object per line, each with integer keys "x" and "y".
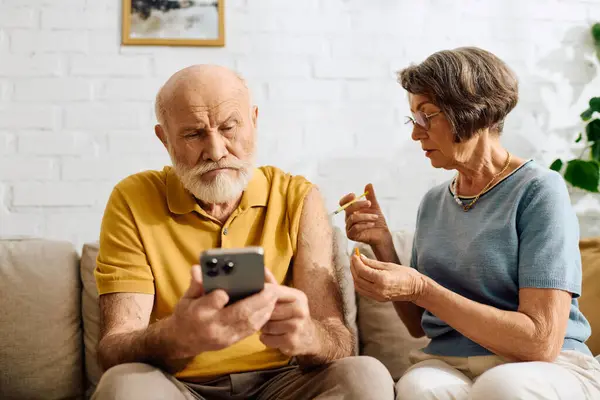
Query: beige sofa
{"x": 49, "y": 317}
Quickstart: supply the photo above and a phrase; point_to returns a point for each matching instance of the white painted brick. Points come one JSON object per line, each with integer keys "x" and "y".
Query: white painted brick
{"x": 125, "y": 143}
{"x": 409, "y": 24}
{"x": 76, "y": 19}
{"x": 372, "y": 46}
{"x": 4, "y": 44}
{"x": 5, "y": 89}
{"x": 27, "y": 169}
{"x": 107, "y": 168}
{"x": 104, "y": 41}
{"x": 104, "y": 116}
{"x": 371, "y": 91}
{"x": 242, "y": 22}
{"x": 24, "y": 117}
{"x": 109, "y": 66}
{"x": 291, "y": 6}
{"x": 69, "y": 4}
{"x": 70, "y": 143}
{"x": 35, "y": 65}
{"x": 350, "y": 68}
{"x": 129, "y": 89}
{"x": 83, "y": 226}
{"x": 20, "y": 224}
{"x": 49, "y": 90}
{"x": 311, "y": 23}
{"x": 54, "y": 194}
{"x": 18, "y": 17}
{"x": 288, "y": 44}
{"x": 305, "y": 90}
{"x": 273, "y": 67}
{"x": 48, "y": 41}
{"x": 8, "y": 143}
{"x": 169, "y": 61}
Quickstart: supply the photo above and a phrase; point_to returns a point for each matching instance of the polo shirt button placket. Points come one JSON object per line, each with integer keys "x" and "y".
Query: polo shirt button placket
{"x": 225, "y": 231}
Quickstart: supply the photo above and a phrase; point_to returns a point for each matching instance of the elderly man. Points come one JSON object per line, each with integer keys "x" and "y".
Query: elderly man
{"x": 162, "y": 336}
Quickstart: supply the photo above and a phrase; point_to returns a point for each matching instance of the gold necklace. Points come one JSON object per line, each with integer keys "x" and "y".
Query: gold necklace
{"x": 468, "y": 206}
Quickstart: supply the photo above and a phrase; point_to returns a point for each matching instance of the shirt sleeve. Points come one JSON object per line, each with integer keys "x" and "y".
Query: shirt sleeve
{"x": 121, "y": 265}
{"x": 548, "y": 232}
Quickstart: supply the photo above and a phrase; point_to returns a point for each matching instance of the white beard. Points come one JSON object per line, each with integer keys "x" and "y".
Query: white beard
{"x": 223, "y": 188}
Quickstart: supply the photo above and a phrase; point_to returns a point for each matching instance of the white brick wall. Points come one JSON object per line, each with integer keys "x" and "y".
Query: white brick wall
{"x": 76, "y": 106}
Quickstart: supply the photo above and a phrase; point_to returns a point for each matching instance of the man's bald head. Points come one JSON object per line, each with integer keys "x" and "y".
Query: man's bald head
{"x": 214, "y": 84}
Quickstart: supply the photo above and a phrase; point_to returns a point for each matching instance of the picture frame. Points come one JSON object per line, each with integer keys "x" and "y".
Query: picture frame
{"x": 173, "y": 22}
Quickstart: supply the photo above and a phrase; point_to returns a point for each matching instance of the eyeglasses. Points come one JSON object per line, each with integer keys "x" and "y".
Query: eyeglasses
{"x": 422, "y": 119}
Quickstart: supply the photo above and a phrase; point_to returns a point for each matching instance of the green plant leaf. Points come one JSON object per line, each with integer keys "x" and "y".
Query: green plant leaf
{"x": 593, "y": 130}
{"x": 556, "y": 165}
{"x": 587, "y": 114}
{"x": 595, "y": 104}
{"x": 583, "y": 174}
{"x": 596, "y": 32}
{"x": 579, "y": 137}
{"x": 595, "y": 152}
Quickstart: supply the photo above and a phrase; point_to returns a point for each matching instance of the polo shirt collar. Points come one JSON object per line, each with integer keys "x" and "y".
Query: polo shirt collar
{"x": 180, "y": 201}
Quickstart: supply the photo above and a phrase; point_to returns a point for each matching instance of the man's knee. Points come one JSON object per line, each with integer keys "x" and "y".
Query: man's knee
{"x": 364, "y": 377}
{"x": 135, "y": 381}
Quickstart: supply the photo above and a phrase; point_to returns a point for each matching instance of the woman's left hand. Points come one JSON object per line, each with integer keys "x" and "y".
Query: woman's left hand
{"x": 383, "y": 281}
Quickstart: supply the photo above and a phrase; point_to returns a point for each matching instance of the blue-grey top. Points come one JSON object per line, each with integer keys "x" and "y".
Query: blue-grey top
{"x": 522, "y": 233}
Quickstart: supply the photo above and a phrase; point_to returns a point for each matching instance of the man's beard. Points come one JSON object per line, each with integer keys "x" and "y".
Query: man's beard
{"x": 223, "y": 187}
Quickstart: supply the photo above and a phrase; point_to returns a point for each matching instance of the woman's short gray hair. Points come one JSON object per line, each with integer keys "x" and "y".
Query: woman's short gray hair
{"x": 473, "y": 87}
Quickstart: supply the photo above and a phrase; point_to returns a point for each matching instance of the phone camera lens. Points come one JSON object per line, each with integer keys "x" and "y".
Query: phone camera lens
{"x": 212, "y": 263}
{"x": 228, "y": 267}
{"x": 212, "y": 272}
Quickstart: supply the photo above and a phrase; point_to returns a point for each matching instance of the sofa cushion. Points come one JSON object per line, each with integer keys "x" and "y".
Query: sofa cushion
{"x": 589, "y": 302}
{"x": 91, "y": 314}
{"x": 40, "y": 320}
{"x": 382, "y": 333}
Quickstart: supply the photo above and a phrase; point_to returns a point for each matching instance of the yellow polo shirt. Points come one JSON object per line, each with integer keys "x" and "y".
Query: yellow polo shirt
{"x": 153, "y": 231}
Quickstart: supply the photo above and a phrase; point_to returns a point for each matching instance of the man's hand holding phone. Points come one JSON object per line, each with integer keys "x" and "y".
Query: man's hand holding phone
{"x": 201, "y": 322}
{"x": 290, "y": 327}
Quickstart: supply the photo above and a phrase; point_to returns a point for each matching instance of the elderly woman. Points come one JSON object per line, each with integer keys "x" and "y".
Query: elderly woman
{"x": 495, "y": 270}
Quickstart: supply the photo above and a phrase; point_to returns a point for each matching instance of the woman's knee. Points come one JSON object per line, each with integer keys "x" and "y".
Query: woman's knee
{"x": 509, "y": 382}
{"x": 433, "y": 380}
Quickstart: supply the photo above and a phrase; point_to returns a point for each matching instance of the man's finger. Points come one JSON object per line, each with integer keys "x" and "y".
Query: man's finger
{"x": 196, "y": 289}
{"x": 285, "y": 311}
{"x": 216, "y": 299}
{"x": 269, "y": 277}
{"x": 280, "y": 327}
{"x": 286, "y": 294}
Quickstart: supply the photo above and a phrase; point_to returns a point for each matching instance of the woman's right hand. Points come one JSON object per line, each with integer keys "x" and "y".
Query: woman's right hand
{"x": 365, "y": 222}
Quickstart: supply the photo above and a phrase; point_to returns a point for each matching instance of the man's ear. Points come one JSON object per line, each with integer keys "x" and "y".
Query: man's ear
{"x": 254, "y": 115}
{"x": 160, "y": 133}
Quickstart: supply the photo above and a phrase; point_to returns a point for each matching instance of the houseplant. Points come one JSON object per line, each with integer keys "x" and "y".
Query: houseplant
{"x": 584, "y": 171}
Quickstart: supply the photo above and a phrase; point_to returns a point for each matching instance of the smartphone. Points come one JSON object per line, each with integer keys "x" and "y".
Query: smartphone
{"x": 240, "y": 272}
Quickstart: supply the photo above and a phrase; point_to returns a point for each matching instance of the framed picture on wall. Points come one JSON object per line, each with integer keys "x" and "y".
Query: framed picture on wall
{"x": 174, "y": 22}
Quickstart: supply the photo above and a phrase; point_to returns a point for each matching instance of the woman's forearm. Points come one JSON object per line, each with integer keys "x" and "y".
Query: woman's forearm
{"x": 509, "y": 334}
{"x": 409, "y": 313}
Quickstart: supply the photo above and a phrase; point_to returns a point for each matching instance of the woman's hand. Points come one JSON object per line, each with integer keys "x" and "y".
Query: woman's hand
{"x": 383, "y": 281}
{"x": 365, "y": 222}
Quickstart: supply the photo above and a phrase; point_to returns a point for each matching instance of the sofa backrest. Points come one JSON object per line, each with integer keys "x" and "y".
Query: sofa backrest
{"x": 40, "y": 320}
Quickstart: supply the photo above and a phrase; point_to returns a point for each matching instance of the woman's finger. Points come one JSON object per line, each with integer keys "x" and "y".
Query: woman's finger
{"x": 355, "y": 231}
{"x": 362, "y": 271}
{"x": 361, "y": 217}
{"x": 359, "y": 205}
{"x": 347, "y": 198}
{"x": 375, "y": 264}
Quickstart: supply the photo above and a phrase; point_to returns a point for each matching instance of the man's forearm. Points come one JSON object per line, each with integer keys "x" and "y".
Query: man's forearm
{"x": 149, "y": 345}
{"x": 334, "y": 341}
